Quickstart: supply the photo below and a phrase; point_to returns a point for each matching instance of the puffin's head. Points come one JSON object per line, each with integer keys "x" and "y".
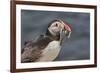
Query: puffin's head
{"x": 59, "y": 29}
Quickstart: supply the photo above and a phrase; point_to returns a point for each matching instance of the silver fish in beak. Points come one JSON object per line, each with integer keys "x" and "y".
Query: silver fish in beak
{"x": 65, "y": 32}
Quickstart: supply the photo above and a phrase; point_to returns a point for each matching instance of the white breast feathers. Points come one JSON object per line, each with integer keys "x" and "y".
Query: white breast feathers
{"x": 51, "y": 51}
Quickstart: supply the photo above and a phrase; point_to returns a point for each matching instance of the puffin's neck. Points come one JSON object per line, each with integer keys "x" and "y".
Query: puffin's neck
{"x": 57, "y": 37}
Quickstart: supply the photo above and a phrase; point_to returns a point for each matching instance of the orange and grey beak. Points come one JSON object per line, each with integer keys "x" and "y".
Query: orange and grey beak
{"x": 67, "y": 27}
{"x": 67, "y": 30}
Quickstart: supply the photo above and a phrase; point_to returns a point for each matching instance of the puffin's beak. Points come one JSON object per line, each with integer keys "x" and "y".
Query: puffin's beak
{"x": 67, "y": 30}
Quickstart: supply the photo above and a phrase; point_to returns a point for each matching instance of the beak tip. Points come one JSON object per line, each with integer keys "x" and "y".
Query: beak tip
{"x": 67, "y": 27}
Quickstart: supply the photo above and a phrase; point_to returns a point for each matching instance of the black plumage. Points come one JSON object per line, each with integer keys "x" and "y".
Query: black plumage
{"x": 32, "y": 50}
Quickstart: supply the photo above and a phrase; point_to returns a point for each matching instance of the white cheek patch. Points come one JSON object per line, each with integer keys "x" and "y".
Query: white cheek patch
{"x": 51, "y": 31}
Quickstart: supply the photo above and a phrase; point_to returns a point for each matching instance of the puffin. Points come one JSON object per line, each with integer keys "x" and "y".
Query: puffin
{"x": 47, "y": 46}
